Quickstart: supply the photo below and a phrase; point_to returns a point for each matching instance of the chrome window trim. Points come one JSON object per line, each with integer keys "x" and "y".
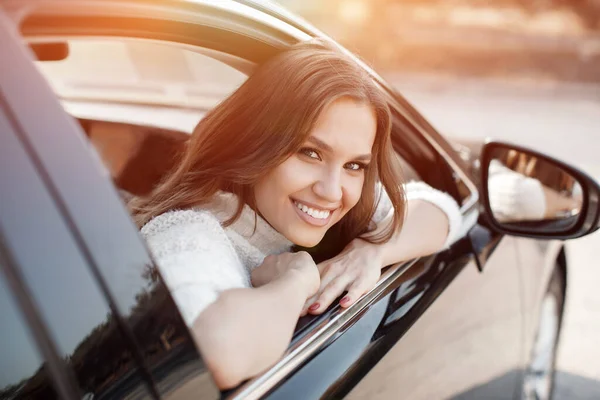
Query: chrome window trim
{"x": 320, "y": 335}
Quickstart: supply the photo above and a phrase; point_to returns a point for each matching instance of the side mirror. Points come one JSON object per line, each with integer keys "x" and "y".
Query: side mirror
{"x": 527, "y": 193}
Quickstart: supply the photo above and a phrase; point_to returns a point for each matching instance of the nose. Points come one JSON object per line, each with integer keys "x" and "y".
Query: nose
{"x": 329, "y": 186}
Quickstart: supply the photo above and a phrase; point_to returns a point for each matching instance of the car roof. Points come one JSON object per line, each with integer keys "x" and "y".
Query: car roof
{"x": 265, "y": 6}
{"x": 278, "y": 11}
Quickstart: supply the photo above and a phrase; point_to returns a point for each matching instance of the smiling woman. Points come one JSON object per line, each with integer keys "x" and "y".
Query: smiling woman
{"x": 299, "y": 155}
{"x": 324, "y": 180}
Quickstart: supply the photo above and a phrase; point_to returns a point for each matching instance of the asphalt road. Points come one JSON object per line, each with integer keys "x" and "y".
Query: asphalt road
{"x": 564, "y": 122}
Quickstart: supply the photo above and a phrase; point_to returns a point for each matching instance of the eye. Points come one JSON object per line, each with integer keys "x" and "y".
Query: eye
{"x": 310, "y": 153}
{"x": 356, "y": 166}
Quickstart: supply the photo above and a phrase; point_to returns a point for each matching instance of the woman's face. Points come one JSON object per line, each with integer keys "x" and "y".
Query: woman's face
{"x": 314, "y": 188}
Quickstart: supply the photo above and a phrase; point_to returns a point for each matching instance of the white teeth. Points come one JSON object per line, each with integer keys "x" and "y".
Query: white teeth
{"x": 312, "y": 212}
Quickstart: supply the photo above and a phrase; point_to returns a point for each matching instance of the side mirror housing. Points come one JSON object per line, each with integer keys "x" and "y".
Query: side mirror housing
{"x": 528, "y": 193}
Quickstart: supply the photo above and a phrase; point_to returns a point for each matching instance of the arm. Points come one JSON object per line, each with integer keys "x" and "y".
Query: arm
{"x": 425, "y": 231}
{"x": 433, "y": 221}
{"x": 247, "y": 330}
{"x": 239, "y": 330}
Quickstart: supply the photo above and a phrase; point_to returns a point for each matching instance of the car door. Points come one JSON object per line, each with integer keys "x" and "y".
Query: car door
{"x": 422, "y": 314}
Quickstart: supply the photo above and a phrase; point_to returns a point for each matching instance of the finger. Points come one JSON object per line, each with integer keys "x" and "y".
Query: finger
{"x": 355, "y": 291}
{"x": 305, "y": 309}
{"x": 331, "y": 291}
{"x": 329, "y": 272}
{"x": 307, "y": 304}
{"x": 331, "y": 275}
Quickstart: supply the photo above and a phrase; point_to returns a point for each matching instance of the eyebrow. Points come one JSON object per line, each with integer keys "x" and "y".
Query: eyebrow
{"x": 324, "y": 146}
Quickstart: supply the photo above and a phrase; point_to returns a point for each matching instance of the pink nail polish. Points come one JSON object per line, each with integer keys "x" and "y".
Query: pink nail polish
{"x": 314, "y": 307}
{"x": 345, "y": 300}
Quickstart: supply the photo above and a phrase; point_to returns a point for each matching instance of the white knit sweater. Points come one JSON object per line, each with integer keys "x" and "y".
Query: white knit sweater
{"x": 198, "y": 258}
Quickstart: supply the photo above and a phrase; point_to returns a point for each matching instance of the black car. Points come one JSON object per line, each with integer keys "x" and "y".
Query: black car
{"x": 96, "y": 96}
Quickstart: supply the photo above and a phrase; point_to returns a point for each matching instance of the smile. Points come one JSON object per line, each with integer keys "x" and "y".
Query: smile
{"x": 312, "y": 215}
{"x": 315, "y": 213}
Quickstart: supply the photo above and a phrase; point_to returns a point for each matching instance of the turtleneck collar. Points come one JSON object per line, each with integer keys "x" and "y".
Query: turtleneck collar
{"x": 249, "y": 225}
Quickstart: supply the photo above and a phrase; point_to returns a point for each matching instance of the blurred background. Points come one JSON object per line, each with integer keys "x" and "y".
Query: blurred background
{"x": 541, "y": 40}
{"x": 525, "y": 71}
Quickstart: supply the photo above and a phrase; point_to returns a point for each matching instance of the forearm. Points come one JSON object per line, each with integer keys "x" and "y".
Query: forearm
{"x": 247, "y": 330}
{"x": 424, "y": 232}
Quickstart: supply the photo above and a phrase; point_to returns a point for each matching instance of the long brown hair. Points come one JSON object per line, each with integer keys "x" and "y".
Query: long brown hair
{"x": 266, "y": 120}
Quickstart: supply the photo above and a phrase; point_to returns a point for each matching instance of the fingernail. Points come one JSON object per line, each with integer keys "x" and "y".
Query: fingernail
{"x": 314, "y": 307}
{"x": 345, "y": 300}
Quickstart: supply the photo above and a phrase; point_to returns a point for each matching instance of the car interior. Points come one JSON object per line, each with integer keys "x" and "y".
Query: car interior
{"x": 137, "y": 157}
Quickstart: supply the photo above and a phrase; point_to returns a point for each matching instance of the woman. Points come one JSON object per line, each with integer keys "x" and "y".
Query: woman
{"x": 299, "y": 155}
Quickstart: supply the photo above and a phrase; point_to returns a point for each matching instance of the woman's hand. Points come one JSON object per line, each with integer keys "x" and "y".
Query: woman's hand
{"x": 299, "y": 265}
{"x": 355, "y": 270}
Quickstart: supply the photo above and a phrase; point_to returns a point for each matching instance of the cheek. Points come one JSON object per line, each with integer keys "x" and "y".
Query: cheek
{"x": 353, "y": 191}
{"x": 294, "y": 176}
{"x": 288, "y": 178}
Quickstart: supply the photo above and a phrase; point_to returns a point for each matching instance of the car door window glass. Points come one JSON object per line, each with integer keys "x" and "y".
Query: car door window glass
{"x": 23, "y": 372}
{"x": 56, "y": 275}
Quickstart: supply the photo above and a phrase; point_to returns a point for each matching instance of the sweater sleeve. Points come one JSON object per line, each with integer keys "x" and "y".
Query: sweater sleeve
{"x": 195, "y": 259}
{"x": 513, "y": 196}
{"x": 422, "y": 191}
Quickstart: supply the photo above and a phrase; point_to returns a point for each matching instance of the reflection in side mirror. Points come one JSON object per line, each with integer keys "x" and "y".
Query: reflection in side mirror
{"x": 530, "y": 194}
{"x": 524, "y": 188}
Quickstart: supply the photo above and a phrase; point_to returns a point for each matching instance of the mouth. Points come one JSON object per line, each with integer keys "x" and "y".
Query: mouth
{"x": 311, "y": 215}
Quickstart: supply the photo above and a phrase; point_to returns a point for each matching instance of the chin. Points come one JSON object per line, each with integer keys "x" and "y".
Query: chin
{"x": 307, "y": 241}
